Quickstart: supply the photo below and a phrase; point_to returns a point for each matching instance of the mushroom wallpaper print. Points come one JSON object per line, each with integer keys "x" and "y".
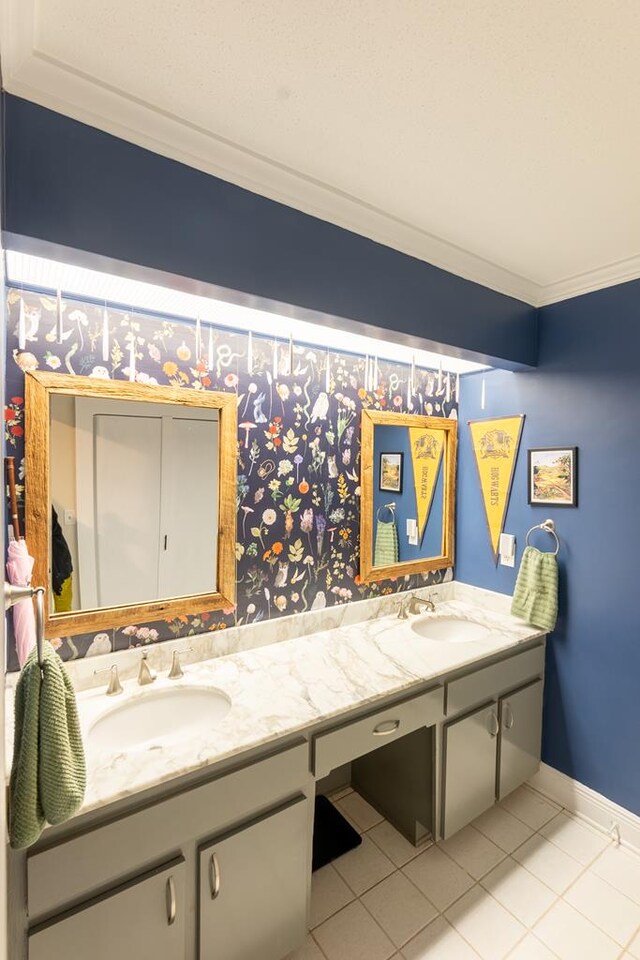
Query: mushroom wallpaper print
{"x": 298, "y": 449}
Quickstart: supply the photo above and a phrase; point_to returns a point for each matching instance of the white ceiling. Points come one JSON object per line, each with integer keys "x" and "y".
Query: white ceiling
{"x": 497, "y": 138}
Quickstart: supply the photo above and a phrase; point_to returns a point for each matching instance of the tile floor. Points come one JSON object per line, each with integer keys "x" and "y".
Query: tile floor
{"x": 526, "y": 881}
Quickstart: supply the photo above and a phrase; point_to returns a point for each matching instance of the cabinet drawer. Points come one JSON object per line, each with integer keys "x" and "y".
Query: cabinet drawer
{"x": 354, "y": 739}
{"x": 487, "y": 683}
{"x": 144, "y": 918}
{"x": 74, "y": 869}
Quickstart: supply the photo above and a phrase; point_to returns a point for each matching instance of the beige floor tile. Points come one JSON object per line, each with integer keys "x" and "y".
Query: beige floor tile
{"x": 605, "y": 906}
{"x": 485, "y": 924}
{"x": 505, "y": 830}
{"x": 308, "y": 951}
{"x": 579, "y": 841}
{"x": 572, "y": 937}
{"x": 338, "y": 794}
{"x": 532, "y": 949}
{"x": 438, "y": 941}
{"x": 396, "y": 847}
{"x": 353, "y": 934}
{"x": 361, "y": 813}
{"x": 548, "y": 863}
{"x": 399, "y": 907}
{"x": 530, "y": 807}
{"x": 473, "y": 851}
{"x": 440, "y": 879}
{"x": 363, "y": 867}
{"x": 634, "y": 946}
{"x": 526, "y": 897}
{"x": 621, "y": 869}
{"x": 329, "y": 893}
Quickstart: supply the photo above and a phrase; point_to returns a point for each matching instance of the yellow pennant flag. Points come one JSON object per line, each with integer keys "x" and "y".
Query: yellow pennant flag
{"x": 495, "y": 445}
{"x": 426, "y": 456}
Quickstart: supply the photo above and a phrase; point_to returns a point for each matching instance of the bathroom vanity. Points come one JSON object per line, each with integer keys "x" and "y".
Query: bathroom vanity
{"x": 200, "y": 847}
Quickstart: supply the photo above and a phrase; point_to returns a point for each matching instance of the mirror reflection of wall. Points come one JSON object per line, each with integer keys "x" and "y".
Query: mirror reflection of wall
{"x": 135, "y": 490}
{"x": 394, "y": 483}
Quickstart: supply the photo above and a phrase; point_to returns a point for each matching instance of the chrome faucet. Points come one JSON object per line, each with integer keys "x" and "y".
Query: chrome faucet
{"x": 416, "y": 604}
{"x": 145, "y": 676}
{"x": 114, "y": 686}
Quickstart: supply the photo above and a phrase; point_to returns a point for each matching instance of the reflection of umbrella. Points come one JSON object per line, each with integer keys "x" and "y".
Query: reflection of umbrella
{"x": 19, "y": 570}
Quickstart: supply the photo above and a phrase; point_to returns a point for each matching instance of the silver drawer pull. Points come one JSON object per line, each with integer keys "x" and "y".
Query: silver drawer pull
{"x": 509, "y": 720}
{"x": 171, "y": 901}
{"x": 494, "y": 724}
{"x": 214, "y": 876}
{"x": 386, "y": 727}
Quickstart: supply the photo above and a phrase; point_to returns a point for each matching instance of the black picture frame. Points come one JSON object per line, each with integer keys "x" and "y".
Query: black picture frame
{"x": 533, "y": 495}
{"x": 391, "y": 488}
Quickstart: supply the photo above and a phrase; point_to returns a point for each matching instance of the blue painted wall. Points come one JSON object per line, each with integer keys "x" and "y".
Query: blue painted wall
{"x": 390, "y": 439}
{"x": 68, "y": 183}
{"x": 585, "y": 392}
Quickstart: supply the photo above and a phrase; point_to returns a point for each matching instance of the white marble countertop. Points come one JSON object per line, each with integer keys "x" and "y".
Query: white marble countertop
{"x": 283, "y": 688}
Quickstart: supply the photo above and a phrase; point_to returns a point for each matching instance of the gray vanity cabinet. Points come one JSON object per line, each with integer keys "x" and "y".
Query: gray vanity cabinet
{"x": 471, "y": 751}
{"x": 520, "y": 728}
{"x": 253, "y": 888}
{"x": 143, "y": 918}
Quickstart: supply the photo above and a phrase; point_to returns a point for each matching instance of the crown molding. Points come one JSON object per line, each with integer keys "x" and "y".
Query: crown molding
{"x": 610, "y": 276}
{"x": 30, "y": 74}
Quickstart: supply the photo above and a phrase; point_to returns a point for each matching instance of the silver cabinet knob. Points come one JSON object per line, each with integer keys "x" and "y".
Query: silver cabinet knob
{"x": 494, "y": 724}
{"x": 507, "y": 714}
{"x": 171, "y": 901}
{"x": 214, "y": 876}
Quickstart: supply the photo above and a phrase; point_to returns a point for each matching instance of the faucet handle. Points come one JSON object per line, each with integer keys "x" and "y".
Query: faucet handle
{"x": 176, "y": 670}
{"x": 402, "y": 608}
{"x": 114, "y": 686}
{"x": 145, "y": 676}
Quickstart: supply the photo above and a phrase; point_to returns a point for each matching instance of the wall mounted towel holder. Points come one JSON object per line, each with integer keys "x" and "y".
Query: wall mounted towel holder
{"x": 549, "y": 527}
{"x": 15, "y": 594}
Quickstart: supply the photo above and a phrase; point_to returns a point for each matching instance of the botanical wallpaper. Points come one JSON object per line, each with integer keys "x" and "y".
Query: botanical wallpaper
{"x": 298, "y": 450}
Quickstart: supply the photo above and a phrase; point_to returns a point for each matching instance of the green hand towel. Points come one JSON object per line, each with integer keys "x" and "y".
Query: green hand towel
{"x": 535, "y": 598}
{"x": 48, "y": 774}
{"x": 386, "y": 549}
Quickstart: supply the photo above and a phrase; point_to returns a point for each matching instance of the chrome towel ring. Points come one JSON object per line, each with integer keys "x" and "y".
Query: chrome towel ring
{"x": 549, "y": 527}
{"x": 387, "y": 506}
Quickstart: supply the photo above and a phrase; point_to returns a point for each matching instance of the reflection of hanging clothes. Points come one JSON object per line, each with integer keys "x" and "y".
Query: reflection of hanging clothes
{"x": 61, "y": 567}
{"x": 386, "y": 547}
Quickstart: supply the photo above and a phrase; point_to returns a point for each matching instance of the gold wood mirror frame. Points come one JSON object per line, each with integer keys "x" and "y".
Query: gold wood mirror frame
{"x": 39, "y": 388}
{"x": 369, "y": 572}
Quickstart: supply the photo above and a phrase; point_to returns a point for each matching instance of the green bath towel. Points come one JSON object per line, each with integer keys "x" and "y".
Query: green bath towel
{"x": 48, "y": 774}
{"x": 386, "y": 549}
{"x": 535, "y": 598}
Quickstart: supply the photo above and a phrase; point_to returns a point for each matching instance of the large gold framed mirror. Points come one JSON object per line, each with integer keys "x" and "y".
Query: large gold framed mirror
{"x": 130, "y": 500}
{"x": 408, "y": 484}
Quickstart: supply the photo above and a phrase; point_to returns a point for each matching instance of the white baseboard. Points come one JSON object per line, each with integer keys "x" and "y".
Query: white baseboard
{"x": 591, "y": 806}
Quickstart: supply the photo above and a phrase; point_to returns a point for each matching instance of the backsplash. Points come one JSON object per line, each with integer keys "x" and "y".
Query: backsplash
{"x": 298, "y": 450}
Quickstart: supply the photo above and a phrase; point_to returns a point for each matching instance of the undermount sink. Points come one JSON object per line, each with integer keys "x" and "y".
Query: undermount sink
{"x": 450, "y": 629}
{"x": 159, "y": 717}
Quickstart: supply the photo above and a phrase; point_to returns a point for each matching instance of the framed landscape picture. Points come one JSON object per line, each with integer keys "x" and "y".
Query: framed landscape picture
{"x": 553, "y": 476}
{"x": 391, "y": 472}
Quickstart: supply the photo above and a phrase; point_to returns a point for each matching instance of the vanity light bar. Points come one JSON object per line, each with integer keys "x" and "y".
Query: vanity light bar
{"x": 25, "y": 269}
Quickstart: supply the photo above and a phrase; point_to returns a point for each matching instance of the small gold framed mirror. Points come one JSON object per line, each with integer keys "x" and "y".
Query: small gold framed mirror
{"x": 408, "y": 481}
{"x": 129, "y": 500}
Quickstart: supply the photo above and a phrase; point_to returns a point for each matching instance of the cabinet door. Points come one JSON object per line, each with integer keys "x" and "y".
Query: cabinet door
{"x": 521, "y": 726}
{"x": 469, "y": 768}
{"x": 253, "y": 888}
{"x": 144, "y": 918}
